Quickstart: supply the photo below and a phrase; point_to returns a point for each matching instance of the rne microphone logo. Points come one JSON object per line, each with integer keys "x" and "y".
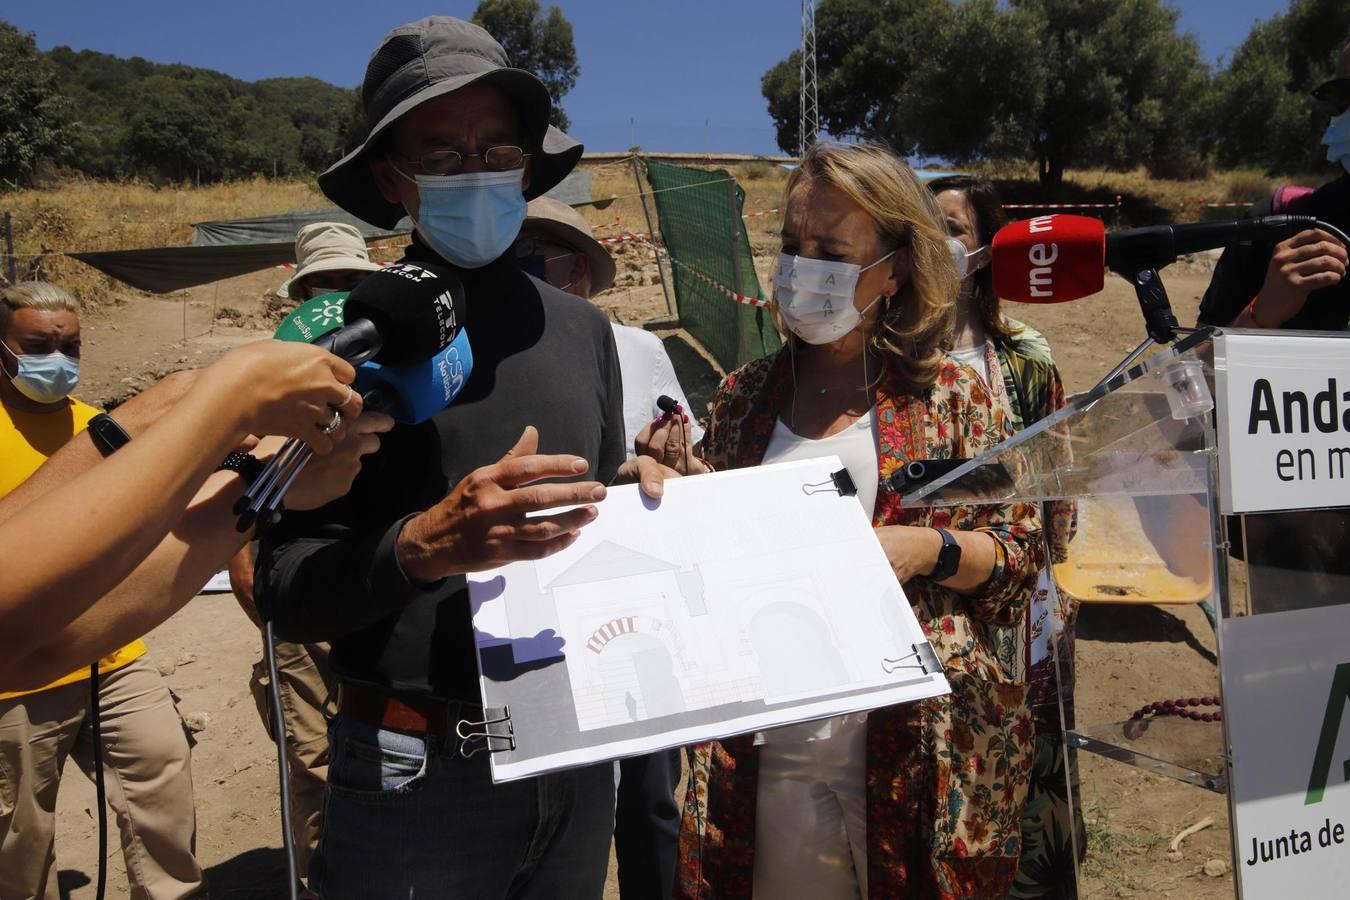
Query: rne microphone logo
{"x": 1049, "y": 259}
{"x": 1042, "y": 257}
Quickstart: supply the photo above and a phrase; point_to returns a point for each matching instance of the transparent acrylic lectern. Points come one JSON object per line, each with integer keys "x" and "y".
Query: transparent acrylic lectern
{"x": 1135, "y": 457}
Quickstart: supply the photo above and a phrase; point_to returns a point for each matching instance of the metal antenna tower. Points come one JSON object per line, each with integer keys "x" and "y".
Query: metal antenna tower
{"x": 809, "y": 122}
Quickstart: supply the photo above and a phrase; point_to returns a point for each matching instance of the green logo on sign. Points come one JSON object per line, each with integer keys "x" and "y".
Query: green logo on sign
{"x": 1331, "y": 729}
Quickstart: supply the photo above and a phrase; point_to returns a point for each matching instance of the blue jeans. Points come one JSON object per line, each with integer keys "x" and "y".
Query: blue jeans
{"x": 407, "y": 817}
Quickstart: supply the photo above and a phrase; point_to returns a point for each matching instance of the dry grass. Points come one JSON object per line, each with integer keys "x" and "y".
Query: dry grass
{"x": 88, "y": 215}
{"x": 1145, "y": 199}
{"x": 91, "y": 215}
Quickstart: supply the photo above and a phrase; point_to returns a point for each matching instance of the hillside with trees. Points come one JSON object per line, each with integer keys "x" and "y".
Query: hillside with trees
{"x": 108, "y": 117}
{"x": 1065, "y": 83}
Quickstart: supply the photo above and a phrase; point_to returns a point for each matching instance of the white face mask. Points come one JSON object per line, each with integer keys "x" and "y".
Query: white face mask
{"x": 968, "y": 262}
{"x": 816, "y": 296}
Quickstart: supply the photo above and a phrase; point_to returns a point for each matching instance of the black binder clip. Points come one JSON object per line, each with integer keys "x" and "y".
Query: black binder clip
{"x": 840, "y": 482}
{"x": 494, "y": 728}
{"x": 923, "y": 658}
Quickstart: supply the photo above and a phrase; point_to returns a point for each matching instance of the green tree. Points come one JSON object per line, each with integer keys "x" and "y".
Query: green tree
{"x": 1120, "y": 86}
{"x": 537, "y": 42}
{"x": 181, "y": 128}
{"x": 1060, "y": 82}
{"x": 1263, "y": 113}
{"x": 34, "y": 123}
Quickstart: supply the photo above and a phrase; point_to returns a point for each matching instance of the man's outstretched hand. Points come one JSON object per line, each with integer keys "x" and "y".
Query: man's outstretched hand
{"x": 482, "y": 523}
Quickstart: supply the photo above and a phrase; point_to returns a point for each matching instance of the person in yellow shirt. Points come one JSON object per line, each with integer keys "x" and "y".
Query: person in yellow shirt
{"x": 145, "y": 748}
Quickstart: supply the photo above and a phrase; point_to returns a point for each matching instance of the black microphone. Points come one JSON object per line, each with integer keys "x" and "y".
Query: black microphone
{"x": 402, "y": 323}
{"x": 404, "y": 313}
{"x": 666, "y": 404}
{"x": 1134, "y": 249}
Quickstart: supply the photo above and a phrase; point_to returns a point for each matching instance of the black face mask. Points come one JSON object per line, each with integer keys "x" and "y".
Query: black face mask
{"x": 535, "y": 265}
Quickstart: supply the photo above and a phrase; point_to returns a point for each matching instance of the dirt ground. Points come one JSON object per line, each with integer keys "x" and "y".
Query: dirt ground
{"x": 1127, "y": 655}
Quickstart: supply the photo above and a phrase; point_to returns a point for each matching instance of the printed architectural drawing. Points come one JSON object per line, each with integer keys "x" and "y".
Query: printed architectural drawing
{"x": 654, "y": 630}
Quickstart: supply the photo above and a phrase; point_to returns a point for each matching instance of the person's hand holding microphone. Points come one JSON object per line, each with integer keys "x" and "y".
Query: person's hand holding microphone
{"x": 668, "y": 439}
{"x": 281, "y": 388}
{"x": 1306, "y": 262}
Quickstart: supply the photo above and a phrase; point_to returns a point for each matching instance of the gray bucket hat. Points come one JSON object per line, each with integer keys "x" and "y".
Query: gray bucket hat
{"x": 426, "y": 59}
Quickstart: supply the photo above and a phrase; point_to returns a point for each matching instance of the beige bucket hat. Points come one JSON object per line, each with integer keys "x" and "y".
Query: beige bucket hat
{"x": 567, "y": 226}
{"x": 325, "y": 246}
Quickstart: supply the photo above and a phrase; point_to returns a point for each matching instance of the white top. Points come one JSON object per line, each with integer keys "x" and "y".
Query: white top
{"x": 856, "y": 447}
{"x": 647, "y": 373}
{"x": 975, "y": 357}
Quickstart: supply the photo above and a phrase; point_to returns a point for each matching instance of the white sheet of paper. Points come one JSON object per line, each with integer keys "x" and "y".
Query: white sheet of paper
{"x": 740, "y": 601}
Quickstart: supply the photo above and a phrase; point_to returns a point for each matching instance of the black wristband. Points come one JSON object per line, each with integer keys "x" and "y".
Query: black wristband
{"x": 949, "y": 557}
{"x": 107, "y": 435}
{"x": 247, "y": 465}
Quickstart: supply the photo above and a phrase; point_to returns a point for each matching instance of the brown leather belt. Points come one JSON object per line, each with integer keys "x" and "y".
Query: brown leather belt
{"x": 415, "y": 715}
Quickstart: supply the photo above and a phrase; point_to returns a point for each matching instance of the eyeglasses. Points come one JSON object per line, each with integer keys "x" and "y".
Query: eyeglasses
{"x": 1333, "y": 95}
{"x": 533, "y": 246}
{"x": 451, "y": 162}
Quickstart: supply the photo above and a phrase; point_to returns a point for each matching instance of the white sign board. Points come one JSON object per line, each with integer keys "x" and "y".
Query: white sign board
{"x": 1284, "y": 421}
{"x": 1286, "y": 683}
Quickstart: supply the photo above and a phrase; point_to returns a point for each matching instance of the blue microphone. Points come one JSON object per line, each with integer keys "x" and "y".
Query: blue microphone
{"x": 396, "y": 315}
{"x": 415, "y": 392}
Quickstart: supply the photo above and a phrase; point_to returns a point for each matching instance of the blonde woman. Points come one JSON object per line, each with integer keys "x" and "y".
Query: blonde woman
{"x": 922, "y": 800}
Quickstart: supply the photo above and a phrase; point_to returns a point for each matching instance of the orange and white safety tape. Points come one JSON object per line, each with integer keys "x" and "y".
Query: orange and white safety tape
{"x": 718, "y": 286}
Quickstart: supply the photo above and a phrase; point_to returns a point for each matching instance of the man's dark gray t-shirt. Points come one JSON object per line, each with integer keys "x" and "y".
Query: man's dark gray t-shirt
{"x": 540, "y": 357}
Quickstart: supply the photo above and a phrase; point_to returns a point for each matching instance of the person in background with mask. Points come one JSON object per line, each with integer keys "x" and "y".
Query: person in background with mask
{"x": 459, "y": 142}
{"x": 923, "y": 799}
{"x": 145, "y": 746}
{"x": 1299, "y": 282}
{"x": 556, "y": 244}
{"x": 1015, "y": 364}
{"x": 329, "y": 256}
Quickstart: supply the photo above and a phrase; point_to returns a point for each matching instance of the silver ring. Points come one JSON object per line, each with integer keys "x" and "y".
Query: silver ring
{"x": 333, "y": 425}
{"x": 343, "y": 404}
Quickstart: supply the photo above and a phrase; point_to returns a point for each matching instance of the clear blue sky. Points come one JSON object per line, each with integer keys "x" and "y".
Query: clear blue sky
{"x": 666, "y": 75}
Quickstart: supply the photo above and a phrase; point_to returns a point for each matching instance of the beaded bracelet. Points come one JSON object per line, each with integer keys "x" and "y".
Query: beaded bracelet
{"x": 1138, "y": 724}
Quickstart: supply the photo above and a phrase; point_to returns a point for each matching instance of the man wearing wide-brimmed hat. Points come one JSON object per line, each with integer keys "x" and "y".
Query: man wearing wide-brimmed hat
{"x": 329, "y": 256}
{"x": 458, "y": 141}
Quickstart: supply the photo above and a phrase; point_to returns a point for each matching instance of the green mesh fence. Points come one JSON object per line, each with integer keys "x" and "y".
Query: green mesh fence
{"x": 705, "y": 236}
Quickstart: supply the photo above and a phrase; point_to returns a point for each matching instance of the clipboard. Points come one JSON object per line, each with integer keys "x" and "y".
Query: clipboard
{"x": 738, "y": 602}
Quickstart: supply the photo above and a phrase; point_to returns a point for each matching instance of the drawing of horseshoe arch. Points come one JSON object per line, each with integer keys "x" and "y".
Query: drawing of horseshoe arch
{"x": 636, "y": 659}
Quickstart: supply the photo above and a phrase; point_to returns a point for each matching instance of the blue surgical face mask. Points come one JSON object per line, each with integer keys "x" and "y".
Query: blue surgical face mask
{"x": 472, "y": 218}
{"x": 1337, "y": 140}
{"x": 46, "y": 377}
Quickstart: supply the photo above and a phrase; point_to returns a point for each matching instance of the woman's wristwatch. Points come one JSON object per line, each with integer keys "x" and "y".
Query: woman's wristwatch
{"x": 949, "y": 557}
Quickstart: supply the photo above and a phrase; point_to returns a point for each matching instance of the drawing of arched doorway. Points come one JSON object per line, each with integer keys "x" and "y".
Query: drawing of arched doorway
{"x": 636, "y": 665}
{"x": 797, "y": 655}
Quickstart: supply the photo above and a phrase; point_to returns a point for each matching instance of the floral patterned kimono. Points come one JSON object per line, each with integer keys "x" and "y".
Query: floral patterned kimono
{"x": 945, "y": 778}
{"x": 1033, "y": 390}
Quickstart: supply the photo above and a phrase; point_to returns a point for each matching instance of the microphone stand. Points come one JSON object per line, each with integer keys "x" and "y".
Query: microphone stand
{"x": 1159, "y": 320}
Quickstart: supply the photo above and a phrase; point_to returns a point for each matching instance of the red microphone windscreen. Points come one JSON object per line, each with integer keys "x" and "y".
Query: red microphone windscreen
{"x": 1049, "y": 259}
